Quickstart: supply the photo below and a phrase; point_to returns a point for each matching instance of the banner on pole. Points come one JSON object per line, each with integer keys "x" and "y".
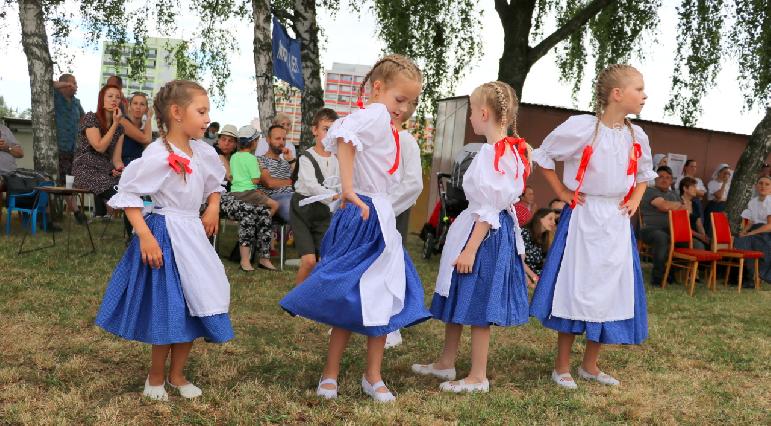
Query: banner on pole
{"x": 286, "y": 57}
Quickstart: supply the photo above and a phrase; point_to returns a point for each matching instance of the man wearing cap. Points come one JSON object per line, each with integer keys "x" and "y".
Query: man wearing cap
{"x": 246, "y": 172}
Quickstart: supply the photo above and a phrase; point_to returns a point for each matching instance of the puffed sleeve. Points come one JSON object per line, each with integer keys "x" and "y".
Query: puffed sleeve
{"x": 645, "y": 172}
{"x": 566, "y": 141}
{"x": 359, "y": 128}
{"x": 214, "y": 171}
{"x": 143, "y": 176}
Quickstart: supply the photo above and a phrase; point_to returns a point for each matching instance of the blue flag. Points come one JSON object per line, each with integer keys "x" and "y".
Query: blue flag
{"x": 286, "y": 57}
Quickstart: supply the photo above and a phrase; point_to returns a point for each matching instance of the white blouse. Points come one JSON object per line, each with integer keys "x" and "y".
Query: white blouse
{"x": 202, "y": 276}
{"x": 606, "y": 173}
{"x": 307, "y": 184}
{"x": 758, "y": 211}
{"x": 488, "y": 193}
{"x": 407, "y": 192}
{"x": 714, "y": 186}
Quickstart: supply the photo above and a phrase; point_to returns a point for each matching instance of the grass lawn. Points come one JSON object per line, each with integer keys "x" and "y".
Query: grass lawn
{"x": 707, "y": 360}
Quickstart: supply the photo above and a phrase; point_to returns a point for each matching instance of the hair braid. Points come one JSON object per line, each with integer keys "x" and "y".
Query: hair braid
{"x": 385, "y": 72}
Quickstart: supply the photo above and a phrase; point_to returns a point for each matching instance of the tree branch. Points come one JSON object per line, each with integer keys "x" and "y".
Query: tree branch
{"x": 502, "y": 7}
{"x": 573, "y": 24}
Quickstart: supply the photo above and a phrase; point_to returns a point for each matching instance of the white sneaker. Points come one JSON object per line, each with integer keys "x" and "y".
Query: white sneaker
{"x": 324, "y": 392}
{"x": 371, "y": 390}
{"x": 565, "y": 380}
{"x": 157, "y": 393}
{"x": 461, "y": 386}
{"x": 393, "y": 339}
{"x": 605, "y": 379}
{"x": 188, "y": 390}
{"x": 428, "y": 369}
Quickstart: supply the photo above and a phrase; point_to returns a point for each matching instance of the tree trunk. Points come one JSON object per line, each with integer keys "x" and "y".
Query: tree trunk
{"x": 263, "y": 62}
{"x": 516, "y": 18}
{"x": 307, "y": 30}
{"x": 41, "y": 73}
{"x": 753, "y": 157}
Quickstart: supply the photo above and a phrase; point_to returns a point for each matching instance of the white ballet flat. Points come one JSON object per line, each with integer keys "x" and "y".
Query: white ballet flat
{"x": 565, "y": 380}
{"x": 393, "y": 339}
{"x": 157, "y": 393}
{"x": 605, "y": 379}
{"x": 461, "y": 386}
{"x": 188, "y": 390}
{"x": 324, "y": 392}
{"x": 371, "y": 390}
{"x": 428, "y": 369}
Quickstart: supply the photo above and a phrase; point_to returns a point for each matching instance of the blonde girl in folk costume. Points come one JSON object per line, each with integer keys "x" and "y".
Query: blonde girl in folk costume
{"x": 592, "y": 282}
{"x": 481, "y": 279}
{"x": 365, "y": 282}
{"x": 170, "y": 287}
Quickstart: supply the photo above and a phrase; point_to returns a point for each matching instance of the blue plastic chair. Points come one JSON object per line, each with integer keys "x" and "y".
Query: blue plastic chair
{"x": 40, "y": 205}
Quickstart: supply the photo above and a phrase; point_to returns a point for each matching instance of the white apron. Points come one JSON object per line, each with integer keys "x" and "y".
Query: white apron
{"x": 201, "y": 273}
{"x": 595, "y": 282}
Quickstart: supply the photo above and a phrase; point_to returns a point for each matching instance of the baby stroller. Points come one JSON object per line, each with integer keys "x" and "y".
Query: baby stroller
{"x": 452, "y": 201}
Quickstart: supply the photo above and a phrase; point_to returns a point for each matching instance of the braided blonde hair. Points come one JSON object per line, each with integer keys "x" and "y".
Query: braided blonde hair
{"x": 613, "y": 76}
{"x": 502, "y": 101}
{"x": 175, "y": 92}
{"x": 389, "y": 67}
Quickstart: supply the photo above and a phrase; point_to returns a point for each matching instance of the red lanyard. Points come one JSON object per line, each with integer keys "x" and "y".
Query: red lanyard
{"x": 395, "y": 132}
{"x": 517, "y": 145}
{"x": 631, "y": 169}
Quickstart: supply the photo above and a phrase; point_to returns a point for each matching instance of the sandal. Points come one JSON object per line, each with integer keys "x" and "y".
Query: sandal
{"x": 324, "y": 392}
{"x": 565, "y": 380}
{"x": 371, "y": 390}
{"x": 461, "y": 386}
{"x": 605, "y": 379}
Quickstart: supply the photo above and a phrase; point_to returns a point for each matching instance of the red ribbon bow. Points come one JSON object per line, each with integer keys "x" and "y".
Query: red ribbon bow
{"x": 179, "y": 164}
{"x": 395, "y": 132}
{"x": 517, "y": 145}
{"x": 631, "y": 170}
{"x": 585, "y": 157}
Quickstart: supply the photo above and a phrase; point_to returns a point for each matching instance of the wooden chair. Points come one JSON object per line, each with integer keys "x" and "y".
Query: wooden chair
{"x": 687, "y": 258}
{"x": 643, "y": 249}
{"x": 723, "y": 244}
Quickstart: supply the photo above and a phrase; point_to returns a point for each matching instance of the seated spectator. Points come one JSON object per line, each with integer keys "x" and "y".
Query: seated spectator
{"x": 689, "y": 170}
{"x": 138, "y": 130}
{"x": 557, "y": 206}
{"x": 660, "y": 160}
{"x": 717, "y": 193}
{"x": 537, "y": 235}
{"x": 756, "y": 233}
{"x": 10, "y": 150}
{"x": 310, "y": 222}
{"x": 284, "y": 121}
{"x": 227, "y": 142}
{"x": 100, "y": 132}
{"x": 246, "y": 172}
{"x": 276, "y": 172}
{"x": 210, "y": 136}
{"x": 255, "y": 231}
{"x": 525, "y": 207}
{"x": 657, "y": 201}
{"x": 688, "y": 189}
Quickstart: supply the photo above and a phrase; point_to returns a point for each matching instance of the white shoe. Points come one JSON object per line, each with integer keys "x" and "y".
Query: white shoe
{"x": 565, "y": 380}
{"x": 461, "y": 386}
{"x": 324, "y": 392}
{"x": 393, "y": 339}
{"x": 371, "y": 390}
{"x": 188, "y": 390}
{"x": 157, "y": 393}
{"x": 603, "y": 378}
{"x": 428, "y": 369}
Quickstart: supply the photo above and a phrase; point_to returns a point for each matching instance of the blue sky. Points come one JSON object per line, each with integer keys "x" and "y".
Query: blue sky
{"x": 351, "y": 38}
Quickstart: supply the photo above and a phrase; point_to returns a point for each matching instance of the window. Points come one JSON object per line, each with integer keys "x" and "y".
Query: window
{"x": 152, "y": 53}
{"x": 332, "y": 87}
{"x": 359, "y": 78}
{"x": 332, "y": 76}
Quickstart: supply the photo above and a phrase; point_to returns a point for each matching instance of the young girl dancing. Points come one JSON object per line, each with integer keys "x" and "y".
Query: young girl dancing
{"x": 170, "y": 286}
{"x": 365, "y": 282}
{"x": 591, "y": 281}
{"x": 481, "y": 279}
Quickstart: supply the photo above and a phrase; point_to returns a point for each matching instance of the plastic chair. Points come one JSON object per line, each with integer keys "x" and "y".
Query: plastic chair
{"x": 39, "y": 205}
{"x": 680, "y": 233}
{"x": 723, "y": 244}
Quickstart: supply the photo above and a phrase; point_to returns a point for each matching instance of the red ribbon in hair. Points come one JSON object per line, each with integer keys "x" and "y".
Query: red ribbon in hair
{"x": 632, "y": 168}
{"x": 395, "y": 166}
{"x": 518, "y": 146}
{"x": 179, "y": 164}
{"x": 585, "y": 157}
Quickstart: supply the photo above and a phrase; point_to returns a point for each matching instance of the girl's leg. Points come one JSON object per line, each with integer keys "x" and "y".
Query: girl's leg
{"x": 452, "y": 334}
{"x": 564, "y": 345}
{"x": 338, "y": 340}
{"x": 179, "y": 355}
{"x": 375, "y": 349}
{"x": 591, "y": 355}
{"x": 158, "y": 357}
{"x": 480, "y": 346}
{"x": 307, "y": 263}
